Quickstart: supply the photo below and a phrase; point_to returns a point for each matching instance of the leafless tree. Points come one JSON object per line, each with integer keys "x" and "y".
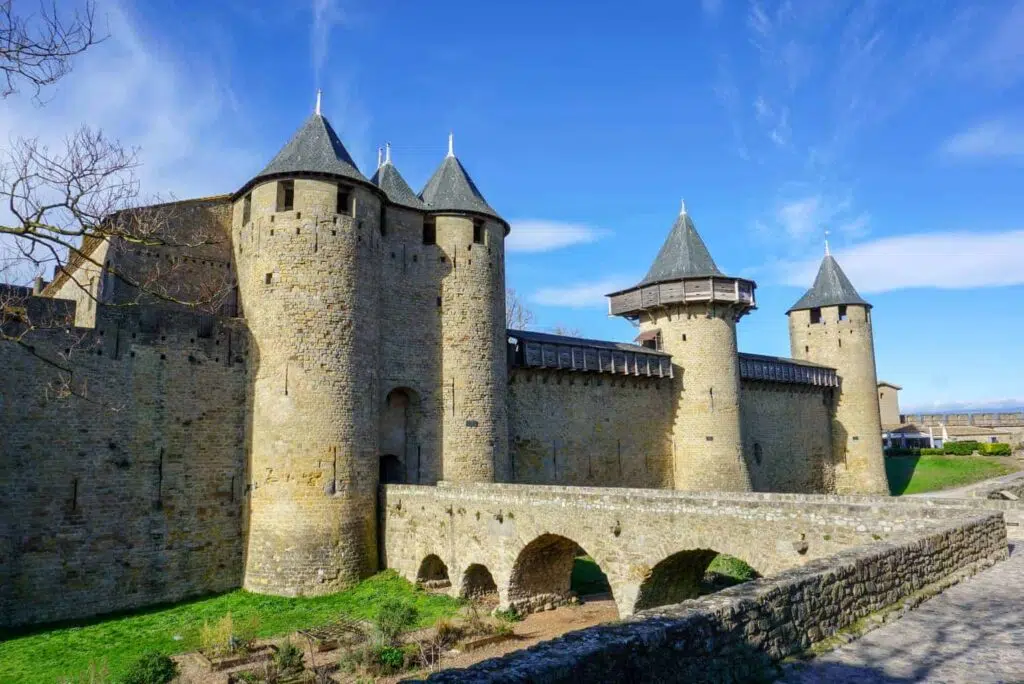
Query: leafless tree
{"x": 559, "y": 329}
{"x": 37, "y": 48}
{"x": 517, "y": 316}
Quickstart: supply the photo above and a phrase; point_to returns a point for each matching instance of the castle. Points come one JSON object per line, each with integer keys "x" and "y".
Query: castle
{"x": 366, "y": 343}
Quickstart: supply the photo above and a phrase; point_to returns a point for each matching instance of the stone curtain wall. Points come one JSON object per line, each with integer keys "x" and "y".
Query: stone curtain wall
{"x": 739, "y": 633}
{"x": 133, "y": 494}
{"x": 627, "y": 531}
{"x": 787, "y": 433}
{"x": 588, "y": 429}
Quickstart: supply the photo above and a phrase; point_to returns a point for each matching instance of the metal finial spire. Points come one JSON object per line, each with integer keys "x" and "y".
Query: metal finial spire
{"x": 827, "y": 252}
{"x": 387, "y": 153}
{"x": 379, "y": 153}
{"x": 318, "y": 94}
{"x": 451, "y": 144}
{"x": 682, "y": 207}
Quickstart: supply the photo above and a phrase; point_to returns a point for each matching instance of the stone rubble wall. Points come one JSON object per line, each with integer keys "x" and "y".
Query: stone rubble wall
{"x": 129, "y": 492}
{"x": 738, "y": 634}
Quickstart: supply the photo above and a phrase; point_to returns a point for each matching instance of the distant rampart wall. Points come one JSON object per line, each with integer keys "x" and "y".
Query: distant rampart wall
{"x": 129, "y": 491}
{"x": 975, "y": 419}
{"x": 589, "y": 429}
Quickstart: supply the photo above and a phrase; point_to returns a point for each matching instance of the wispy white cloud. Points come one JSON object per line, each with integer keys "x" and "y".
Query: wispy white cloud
{"x": 987, "y": 140}
{"x": 954, "y": 260}
{"x": 326, "y": 15}
{"x": 173, "y": 107}
{"x": 538, "y": 235}
{"x": 581, "y": 295}
{"x": 809, "y": 216}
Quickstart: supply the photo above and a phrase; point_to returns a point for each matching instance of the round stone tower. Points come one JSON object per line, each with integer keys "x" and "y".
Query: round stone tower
{"x": 470, "y": 238}
{"x": 687, "y": 307}
{"x": 831, "y": 325}
{"x": 307, "y": 245}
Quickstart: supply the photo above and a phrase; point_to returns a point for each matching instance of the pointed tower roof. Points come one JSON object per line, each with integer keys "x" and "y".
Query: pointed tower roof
{"x": 452, "y": 189}
{"x": 315, "y": 148}
{"x": 684, "y": 254}
{"x": 394, "y": 186}
{"x": 831, "y": 287}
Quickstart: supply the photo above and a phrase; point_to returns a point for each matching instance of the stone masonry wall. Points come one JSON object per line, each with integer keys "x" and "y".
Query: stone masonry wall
{"x": 588, "y": 429}
{"x": 309, "y": 284}
{"x": 473, "y": 357}
{"x": 410, "y": 342}
{"x": 787, "y": 432}
{"x": 848, "y": 346}
{"x": 129, "y": 492}
{"x": 707, "y": 442}
{"x": 739, "y": 633}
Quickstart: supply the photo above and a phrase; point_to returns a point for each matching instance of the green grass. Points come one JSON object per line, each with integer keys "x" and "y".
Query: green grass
{"x": 732, "y": 569}
{"x": 587, "y": 577}
{"x": 916, "y": 474}
{"x": 46, "y": 656}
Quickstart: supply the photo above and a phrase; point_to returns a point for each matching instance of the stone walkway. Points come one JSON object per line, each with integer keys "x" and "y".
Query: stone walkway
{"x": 972, "y": 632}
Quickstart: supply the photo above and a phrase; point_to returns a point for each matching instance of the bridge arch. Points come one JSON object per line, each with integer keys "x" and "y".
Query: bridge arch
{"x": 685, "y": 575}
{"x": 542, "y": 573}
{"x": 433, "y": 573}
{"x": 478, "y": 583}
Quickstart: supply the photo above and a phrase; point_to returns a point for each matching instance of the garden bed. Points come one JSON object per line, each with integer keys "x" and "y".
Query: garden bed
{"x": 219, "y": 663}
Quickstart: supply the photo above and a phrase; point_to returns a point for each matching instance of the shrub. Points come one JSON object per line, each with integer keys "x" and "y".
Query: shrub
{"x": 508, "y": 615}
{"x": 960, "y": 448}
{"x": 390, "y": 659}
{"x": 288, "y": 657}
{"x": 446, "y": 632}
{"x": 997, "y": 449}
{"x": 394, "y": 617}
{"x": 152, "y": 668}
{"x": 216, "y": 639}
{"x": 931, "y": 452}
{"x": 732, "y": 568}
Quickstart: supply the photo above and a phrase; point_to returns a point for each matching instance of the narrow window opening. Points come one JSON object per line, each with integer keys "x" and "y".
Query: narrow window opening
{"x": 842, "y": 312}
{"x": 684, "y": 337}
{"x": 247, "y": 209}
{"x": 429, "y": 232}
{"x": 840, "y": 343}
{"x": 816, "y": 315}
{"x": 757, "y": 453}
{"x": 285, "y": 195}
{"x": 269, "y": 278}
{"x": 806, "y": 348}
{"x": 342, "y": 203}
{"x": 478, "y": 231}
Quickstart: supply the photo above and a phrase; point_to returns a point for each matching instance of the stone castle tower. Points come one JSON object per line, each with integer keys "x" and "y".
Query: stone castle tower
{"x": 317, "y": 246}
{"x": 831, "y": 325}
{"x": 691, "y": 308}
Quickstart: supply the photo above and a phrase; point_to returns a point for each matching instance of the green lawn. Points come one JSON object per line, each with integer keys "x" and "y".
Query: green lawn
{"x": 48, "y": 655}
{"x": 916, "y": 474}
{"x": 587, "y": 577}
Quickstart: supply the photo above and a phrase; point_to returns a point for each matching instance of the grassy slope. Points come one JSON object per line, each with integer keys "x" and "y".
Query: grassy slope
{"x": 49, "y": 655}
{"x": 916, "y": 474}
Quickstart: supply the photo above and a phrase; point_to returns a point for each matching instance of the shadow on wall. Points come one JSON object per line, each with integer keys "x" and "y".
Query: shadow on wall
{"x": 689, "y": 574}
{"x": 543, "y": 573}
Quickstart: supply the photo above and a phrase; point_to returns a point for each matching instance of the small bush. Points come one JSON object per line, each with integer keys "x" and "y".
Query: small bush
{"x": 505, "y": 628}
{"x": 997, "y": 449}
{"x": 288, "y": 657}
{"x": 446, "y": 632}
{"x": 152, "y": 668}
{"x": 508, "y": 615}
{"x": 960, "y": 448}
{"x": 931, "y": 452}
{"x": 390, "y": 659}
{"x": 394, "y": 617}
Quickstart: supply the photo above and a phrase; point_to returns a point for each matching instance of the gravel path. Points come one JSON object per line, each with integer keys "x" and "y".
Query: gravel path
{"x": 972, "y": 632}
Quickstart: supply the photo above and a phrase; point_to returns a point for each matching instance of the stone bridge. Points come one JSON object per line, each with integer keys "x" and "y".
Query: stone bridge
{"x": 520, "y": 541}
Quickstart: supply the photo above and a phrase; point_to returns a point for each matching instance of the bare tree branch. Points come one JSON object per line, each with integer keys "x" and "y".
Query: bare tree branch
{"x": 517, "y": 316}
{"x": 37, "y": 48}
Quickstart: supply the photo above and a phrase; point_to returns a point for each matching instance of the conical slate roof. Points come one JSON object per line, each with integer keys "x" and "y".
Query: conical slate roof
{"x": 451, "y": 189}
{"x": 394, "y": 186}
{"x": 684, "y": 255}
{"x": 831, "y": 287}
{"x": 315, "y": 148}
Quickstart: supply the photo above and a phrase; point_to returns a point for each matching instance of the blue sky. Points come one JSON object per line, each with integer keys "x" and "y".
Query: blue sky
{"x": 897, "y": 126}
